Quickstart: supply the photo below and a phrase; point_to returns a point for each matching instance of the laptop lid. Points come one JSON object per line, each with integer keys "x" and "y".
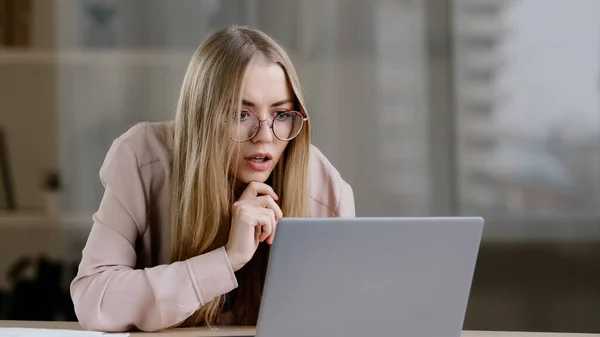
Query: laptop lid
{"x": 369, "y": 277}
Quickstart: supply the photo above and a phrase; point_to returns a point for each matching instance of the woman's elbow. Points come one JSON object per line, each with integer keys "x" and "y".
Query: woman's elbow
{"x": 91, "y": 323}
{"x": 87, "y": 303}
{"x": 92, "y": 319}
{"x": 87, "y": 307}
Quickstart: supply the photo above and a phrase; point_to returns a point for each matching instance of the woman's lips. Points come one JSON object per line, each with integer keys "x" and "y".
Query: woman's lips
{"x": 259, "y": 161}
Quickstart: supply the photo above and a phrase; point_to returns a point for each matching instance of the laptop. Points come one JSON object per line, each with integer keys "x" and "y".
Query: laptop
{"x": 358, "y": 277}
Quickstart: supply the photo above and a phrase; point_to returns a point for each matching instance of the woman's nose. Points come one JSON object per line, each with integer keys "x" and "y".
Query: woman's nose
{"x": 264, "y": 133}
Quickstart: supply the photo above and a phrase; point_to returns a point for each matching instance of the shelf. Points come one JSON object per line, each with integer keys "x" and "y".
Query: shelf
{"x": 41, "y": 221}
{"x": 94, "y": 57}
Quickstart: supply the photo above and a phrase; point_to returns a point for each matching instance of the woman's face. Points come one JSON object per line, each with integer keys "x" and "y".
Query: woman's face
{"x": 265, "y": 95}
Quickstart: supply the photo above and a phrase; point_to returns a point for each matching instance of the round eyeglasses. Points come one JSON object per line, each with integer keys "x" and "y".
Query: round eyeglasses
{"x": 285, "y": 125}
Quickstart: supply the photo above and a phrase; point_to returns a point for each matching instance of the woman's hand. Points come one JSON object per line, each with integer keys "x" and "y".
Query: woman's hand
{"x": 254, "y": 220}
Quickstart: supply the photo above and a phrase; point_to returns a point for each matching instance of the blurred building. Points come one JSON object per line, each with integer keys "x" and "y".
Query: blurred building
{"x": 533, "y": 179}
{"x": 479, "y": 29}
{"x": 576, "y": 147}
{"x": 403, "y": 118}
{"x": 403, "y": 121}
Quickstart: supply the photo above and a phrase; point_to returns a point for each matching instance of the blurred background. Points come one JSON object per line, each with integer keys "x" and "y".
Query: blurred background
{"x": 426, "y": 107}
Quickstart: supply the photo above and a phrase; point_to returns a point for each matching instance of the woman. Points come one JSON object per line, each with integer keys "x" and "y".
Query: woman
{"x": 211, "y": 186}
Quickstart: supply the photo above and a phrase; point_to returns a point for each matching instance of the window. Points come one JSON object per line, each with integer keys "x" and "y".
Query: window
{"x": 547, "y": 153}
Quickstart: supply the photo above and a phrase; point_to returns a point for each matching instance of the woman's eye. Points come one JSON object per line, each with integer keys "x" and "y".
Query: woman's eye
{"x": 283, "y": 115}
{"x": 244, "y": 115}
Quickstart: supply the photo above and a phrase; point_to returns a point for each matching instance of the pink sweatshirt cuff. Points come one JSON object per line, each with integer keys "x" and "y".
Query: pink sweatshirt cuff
{"x": 212, "y": 274}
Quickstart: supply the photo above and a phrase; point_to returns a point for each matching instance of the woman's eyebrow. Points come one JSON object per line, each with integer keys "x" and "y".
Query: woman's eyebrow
{"x": 282, "y": 102}
{"x": 246, "y": 102}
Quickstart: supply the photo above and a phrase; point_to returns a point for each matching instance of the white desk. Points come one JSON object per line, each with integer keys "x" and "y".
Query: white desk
{"x": 241, "y": 331}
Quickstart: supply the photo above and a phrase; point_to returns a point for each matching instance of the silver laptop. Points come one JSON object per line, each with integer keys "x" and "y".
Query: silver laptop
{"x": 369, "y": 277}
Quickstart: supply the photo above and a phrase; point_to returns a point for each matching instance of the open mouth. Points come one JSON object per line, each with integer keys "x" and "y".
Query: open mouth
{"x": 259, "y": 159}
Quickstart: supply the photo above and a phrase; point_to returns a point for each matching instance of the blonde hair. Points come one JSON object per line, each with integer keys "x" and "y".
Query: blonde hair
{"x": 202, "y": 174}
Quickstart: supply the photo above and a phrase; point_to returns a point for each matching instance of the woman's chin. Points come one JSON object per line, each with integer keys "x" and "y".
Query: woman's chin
{"x": 248, "y": 177}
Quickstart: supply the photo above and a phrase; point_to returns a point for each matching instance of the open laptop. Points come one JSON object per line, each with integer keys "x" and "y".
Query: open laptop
{"x": 369, "y": 277}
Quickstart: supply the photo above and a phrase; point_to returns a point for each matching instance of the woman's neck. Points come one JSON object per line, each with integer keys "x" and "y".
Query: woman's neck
{"x": 238, "y": 189}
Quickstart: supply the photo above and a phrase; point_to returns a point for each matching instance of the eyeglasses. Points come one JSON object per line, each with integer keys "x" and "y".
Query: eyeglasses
{"x": 285, "y": 125}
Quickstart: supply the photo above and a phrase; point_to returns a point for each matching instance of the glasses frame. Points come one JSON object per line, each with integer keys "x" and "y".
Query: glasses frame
{"x": 272, "y": 119}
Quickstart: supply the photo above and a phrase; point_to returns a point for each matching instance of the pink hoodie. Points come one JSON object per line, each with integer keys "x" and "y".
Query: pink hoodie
{"x": 124, "y": 279}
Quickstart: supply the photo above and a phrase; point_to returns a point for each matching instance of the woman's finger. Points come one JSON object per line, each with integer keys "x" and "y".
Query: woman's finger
{"x": 255, "y": 189}
{"x": 265, "y": 225}
{"x": 274, "y": 224}
{"x": 266, "y": 201}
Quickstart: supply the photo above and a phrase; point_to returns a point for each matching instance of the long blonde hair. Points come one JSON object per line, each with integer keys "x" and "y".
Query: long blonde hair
{"x": 202, "y": 173}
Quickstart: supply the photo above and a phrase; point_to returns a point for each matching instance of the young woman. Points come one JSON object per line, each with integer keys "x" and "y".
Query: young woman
{"x": 190, "y": 207}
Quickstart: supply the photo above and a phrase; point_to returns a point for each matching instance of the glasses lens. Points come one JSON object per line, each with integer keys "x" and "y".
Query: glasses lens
{"x": 245, "y": 128}
{"x": 287, "y": 125}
